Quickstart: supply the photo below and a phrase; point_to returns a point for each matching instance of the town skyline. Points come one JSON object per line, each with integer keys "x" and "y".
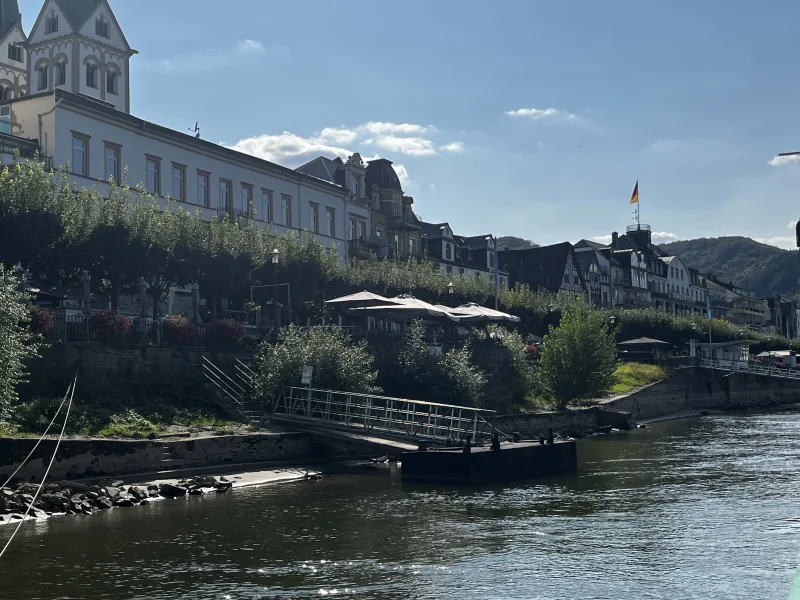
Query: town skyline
{"x": 571, "y": 109}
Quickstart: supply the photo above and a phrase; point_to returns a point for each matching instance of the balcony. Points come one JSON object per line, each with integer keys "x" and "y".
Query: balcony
{"x": 406, "y": 223}
{"x": 680, "y": 297}
{"x": 26, "y": 149}
{"x": 636, "y": 302}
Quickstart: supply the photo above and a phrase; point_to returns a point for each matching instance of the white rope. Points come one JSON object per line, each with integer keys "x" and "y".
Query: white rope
{"x": 46, "y": 473}
{"x": 46, "y": 431}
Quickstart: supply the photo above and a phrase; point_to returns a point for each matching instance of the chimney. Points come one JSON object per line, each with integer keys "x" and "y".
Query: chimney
{"x": 614, "y": 240}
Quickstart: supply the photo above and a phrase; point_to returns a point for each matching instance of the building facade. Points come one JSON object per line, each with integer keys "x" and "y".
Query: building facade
{"x": 609, "y": 297}
{"x": 549, "y": 268}
{"x": 736, "y": 304}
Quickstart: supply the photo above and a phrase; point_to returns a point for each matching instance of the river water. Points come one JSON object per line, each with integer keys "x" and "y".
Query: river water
{"x": 703, "y": 508}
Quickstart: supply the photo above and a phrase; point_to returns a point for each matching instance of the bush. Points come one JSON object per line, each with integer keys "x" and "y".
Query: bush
{"x": 415, "y": 371}
{"x": 338, "y": 362}
{"x": 578, "y": 358}
{"x": 130, "y": 424}
{"x": 110, "y": 326}
{"x": 178, "y": 329}
{"x": 226, "y": 332}
{"x": 42, "y": 320}
{"x": 515, "y": 380}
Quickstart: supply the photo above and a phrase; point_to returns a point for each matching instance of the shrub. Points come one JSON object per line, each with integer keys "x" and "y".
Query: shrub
{"x": 511, "y": 373}
{"x": 578, "y": 357}
{"x": 130, "y": 424}
{"x": 42, "y": 320}
{"x": 226, "y": 332}
{"x": 338, "y": 362}
{"x": 178, "y": 329}
{"x": 110, "y": 326}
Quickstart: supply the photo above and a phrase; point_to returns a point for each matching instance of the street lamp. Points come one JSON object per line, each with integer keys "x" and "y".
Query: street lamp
{"x": 275, "y": 254}
{"x": 451, "y": 290}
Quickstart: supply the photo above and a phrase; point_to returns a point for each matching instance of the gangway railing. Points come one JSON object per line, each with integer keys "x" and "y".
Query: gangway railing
{"x": 382, "y": 415}
{"x": 768, "y": 370}
{"x": 225, "y": 388}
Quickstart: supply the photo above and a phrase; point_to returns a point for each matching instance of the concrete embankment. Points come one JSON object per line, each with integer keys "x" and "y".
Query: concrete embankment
{"x": 691, "y": 389}
{"x": 90, "y": 458}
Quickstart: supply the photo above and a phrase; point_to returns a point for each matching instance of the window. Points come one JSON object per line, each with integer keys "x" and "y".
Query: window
{"x": 412, "y": 246}
{"x": 490, "y": 259}
{"x": 397, "y": 210}
{"x": 153, "y": 181}
{"x": 203, "y": 191}
{"x": 266, "y": 205}
{"x": 5, "y": 94}
{"x": 449, "y": 270}
{"x": 246, "y": 198}
{"x": 352, "y": 229}
{"x": 448, "y": 252}
{"x": 397, "y": 242}
{"x": 378, "y": 232}
{"x": 461, "y": 271}
{"x": 5, "y": 120}
{"x": 112, "y": 162}
{"x": 101, "y": 27}
{"x": 362, "y": 230}
{"x": 356, "y": 188}
{"x": 80, "y": 154}
{"x": 286, "y": 210}
{"x": 91, "y": 75}
{"x": 112, "y": 82}
{"x": 41, "y": 76}
{"x": 375, "y": 201}
{"x": 51, "y": 23}
{"x": 15, "y": 52}
{"x": 224, "y": 195}
{"x": 179, "y": 182}
{"x": 314, "y": 216}
{"x": 61, "y": 73}
{"x": 330, "y": 222}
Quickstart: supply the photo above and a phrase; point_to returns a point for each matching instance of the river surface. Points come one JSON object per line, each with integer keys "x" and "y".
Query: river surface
{"x": 703, "y": 508}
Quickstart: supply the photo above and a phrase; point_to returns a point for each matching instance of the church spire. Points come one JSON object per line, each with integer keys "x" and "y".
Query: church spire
{"x": 9, "y": 15}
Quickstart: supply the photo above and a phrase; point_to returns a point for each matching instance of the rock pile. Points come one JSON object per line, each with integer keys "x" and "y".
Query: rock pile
{"x": 73, "y": 498}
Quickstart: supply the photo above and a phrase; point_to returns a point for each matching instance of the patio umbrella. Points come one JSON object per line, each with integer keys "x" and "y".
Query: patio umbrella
{"x": 87, "y": 293}
{"x": 361, "y": 299}
{"x": 407, "y": 307}
{"x": 489, "y": 314}
{"x": 644, "y": 342}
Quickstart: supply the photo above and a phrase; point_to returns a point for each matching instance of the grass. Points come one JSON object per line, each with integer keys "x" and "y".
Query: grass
{"x": 635, "y": 375}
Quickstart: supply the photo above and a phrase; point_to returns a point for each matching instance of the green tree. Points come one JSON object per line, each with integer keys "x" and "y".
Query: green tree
{"x": 578, "y": 357}
{"x": 339, "y": 363}
{"x": 17, "y": 343}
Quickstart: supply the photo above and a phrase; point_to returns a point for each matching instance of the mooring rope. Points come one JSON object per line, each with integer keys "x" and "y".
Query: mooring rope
{"x": 47, "y": 472}
{"x": 55, "y": 416}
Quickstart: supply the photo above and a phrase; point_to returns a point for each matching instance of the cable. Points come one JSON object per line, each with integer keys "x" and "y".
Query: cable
{"x": 46, "y": 473}
{"x": 69, "y": 387}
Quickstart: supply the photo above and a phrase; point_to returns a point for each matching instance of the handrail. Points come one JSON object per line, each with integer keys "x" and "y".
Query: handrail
{"x": 358, "y": 394}
{"x": 747, "y": 367}
{"x": 219, "y": 371}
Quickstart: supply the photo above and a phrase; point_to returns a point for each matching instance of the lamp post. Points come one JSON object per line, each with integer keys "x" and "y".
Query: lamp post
{"x": 451, "y": 290}
{"x": 275, "y": 255}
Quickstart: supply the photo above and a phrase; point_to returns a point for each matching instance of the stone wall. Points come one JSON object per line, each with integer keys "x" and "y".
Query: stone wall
{"x": 78, "y": 459}
{"x": 565, "y": 422}
{"x": 689, "y": 388}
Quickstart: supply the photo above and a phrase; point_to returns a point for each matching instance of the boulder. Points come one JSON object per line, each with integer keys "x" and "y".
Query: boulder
{"x": 171, "y": 491}
{"x": 51, "y": 488}
{"x": 37, "y": 513}
{"x": 3, "y": 504}
{"x": 92, "y": 495}
{"x": 144, "y": 502}
{"x": 196, "y": 491}
{"x": 223, "y": 486}
{"x": 27, "y": 488}
{"x": 112, "y": 492}
{"x": 86, "y": 507}
{"x": 26, "y": 499}
{"x": 205, "y": 481}
{"x": 152, "y": 487}
{"x": 137, "y": 492}
{"x": 124, "y": 501}
{"x": 74, "y": 486}
{"x": 103, "y": 503}
{"x": 153, "y": 493}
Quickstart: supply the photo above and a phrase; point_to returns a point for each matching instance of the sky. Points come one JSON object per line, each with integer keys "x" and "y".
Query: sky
{"x": 530, "y": 118}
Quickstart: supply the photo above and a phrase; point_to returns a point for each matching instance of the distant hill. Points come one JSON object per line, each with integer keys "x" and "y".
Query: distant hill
{"x": 514, "y": 243}
{"x": 765, "y": 269}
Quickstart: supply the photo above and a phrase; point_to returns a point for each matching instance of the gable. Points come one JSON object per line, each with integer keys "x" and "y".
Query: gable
{"x": 102, "y": 26}
{"x": 39, "y": 30}
{"x": 15, "y": 35}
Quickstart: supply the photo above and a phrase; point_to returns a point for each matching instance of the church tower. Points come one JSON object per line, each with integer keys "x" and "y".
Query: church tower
{"x": 13, "y": 55}
{"x": 78, "y": 45}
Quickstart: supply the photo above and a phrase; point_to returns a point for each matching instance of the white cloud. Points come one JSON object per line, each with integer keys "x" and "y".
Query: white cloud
{"x": 215, "y": 58}
{"x": 290, "y": 149}
{"x": 602, "y": 239}
{"x": 785, "y": 242}
{"x": 791, "y": 225}
{"x": 402, "y": 175}
{"x": 338, "y": 135}
{"x": 541, "y": 113}
{"x": 454, "y": 147}
{"x": 412, "y": 146}
{"x": 382, "y": 127}
{"x": 784, "y": 161}
{"x": 432, "y": 187}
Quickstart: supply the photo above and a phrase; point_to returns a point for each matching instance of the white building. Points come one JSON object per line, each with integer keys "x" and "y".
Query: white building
{"x": 77, "y": 114}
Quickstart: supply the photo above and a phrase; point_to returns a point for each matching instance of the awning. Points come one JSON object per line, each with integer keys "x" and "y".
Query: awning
{"x": 361, "y": 299}
{"x": 489, "y": 314}
{"x": 406, "y": 307}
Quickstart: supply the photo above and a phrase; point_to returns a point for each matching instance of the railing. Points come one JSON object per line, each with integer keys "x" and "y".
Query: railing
{"x": 227, "y": 390}
{"x": 381, "y": 415}
{"x": 768, "y": 370}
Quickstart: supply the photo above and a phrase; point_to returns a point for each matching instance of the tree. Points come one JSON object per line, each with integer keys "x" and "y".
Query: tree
{"x": 579, "y": 357}
{"x": 17, "y": 343}
{"x": 339, "y": 363}
{"x": 509, "y": 242}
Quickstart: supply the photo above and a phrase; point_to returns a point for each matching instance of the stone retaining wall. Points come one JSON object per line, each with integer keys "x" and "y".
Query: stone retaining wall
{"x": 689, "y": 388}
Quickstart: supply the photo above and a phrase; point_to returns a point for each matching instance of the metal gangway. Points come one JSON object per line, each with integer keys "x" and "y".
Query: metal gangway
{"x": 399, "y": 419}
{"x": 742, "y": 366}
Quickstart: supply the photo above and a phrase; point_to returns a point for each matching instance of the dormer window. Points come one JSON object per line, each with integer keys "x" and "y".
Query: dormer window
{"x": 51, "y": 23}
{"x": 15, "y": 52}
{"x": 448, "y": 252}
{"x": 101, "y": 27}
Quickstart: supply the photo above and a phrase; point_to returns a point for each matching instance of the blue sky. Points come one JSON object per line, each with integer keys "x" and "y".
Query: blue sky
{"x": 526, "y": 118}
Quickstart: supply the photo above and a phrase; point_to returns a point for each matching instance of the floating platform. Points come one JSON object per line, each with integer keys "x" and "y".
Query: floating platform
{"x": 477, "y": 465}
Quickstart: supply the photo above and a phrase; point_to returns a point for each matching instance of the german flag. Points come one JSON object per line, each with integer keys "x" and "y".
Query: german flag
{"x": 635, "y": 196}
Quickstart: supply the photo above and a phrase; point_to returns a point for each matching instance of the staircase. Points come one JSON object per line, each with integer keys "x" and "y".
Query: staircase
{"x": 233, "y": 391}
